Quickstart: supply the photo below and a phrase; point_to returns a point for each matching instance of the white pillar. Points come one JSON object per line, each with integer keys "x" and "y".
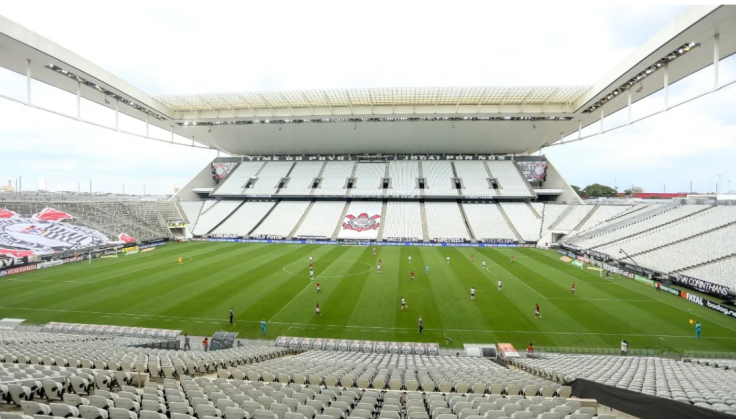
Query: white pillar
{"x": 601, "y": 119}
{"x": 79, "y": 101}
{"x": 117, "y": 112}
{"x": 580, "y": 129}
{"x": 666, "y": 86}
{"x": 172, "y": 133}
{"x": 629, "y": 106}
{"x": 716, "y": 59}
{"x": 146, "y": 124}
{"x": 28, "y": 82}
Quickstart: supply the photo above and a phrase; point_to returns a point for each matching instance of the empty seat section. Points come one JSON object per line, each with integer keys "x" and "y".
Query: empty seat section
{"x": 234, "y": 183}
{"x": 574, "y": 217}
{"x": 335, "y": 178}
{"x": 445, "y": 221}
{"x": 213, "y": 216}
{"x": 361, "y": 222}
{"x": 282, "y": 220}
{"x": 487, "y": 222}
{"x": 268, "y": 179}
{"x": 321, "y": 220}
{"x": 369, "y": 179}
{"x": 301, "y": 178}
{"x": 403, "y": 221}
{"x": 603, "y": 213}
{"x": 510, "y": 180}
{"x": 474, "y": 178}
{"x": 550, "y": 214}
{"x": 245, "y": 218}
{"x": 719, "y": 272}
{"x": 191, "y": 210}
{"x": 404, "y": 175}
{"x": 439, "y": 178}
{"x": 524, "y": 221}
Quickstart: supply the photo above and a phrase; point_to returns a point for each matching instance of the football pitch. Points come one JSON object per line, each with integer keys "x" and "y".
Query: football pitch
{"x": 271, "y": 282}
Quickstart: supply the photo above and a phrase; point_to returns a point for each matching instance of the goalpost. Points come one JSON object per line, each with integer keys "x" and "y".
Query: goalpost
{"x": 104, "y": 253}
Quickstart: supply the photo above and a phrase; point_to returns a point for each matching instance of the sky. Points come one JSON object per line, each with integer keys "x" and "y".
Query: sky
{"x": 175, "y": 47}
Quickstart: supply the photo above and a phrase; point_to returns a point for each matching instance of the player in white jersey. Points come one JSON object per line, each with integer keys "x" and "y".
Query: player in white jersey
{"x": 448, "y": 259}
{"x": 311, "y": 275}
{"x": 409, "y": 260}
{"x": 403, "y": 304}
{"x": 379, "y": 268}
{"x": 310, "y": 259}
{"x": 374, "y": 251}
{"x": 500, "y": 286}
{"x": 484, "y": 264}
{"x": 472, "y": 294}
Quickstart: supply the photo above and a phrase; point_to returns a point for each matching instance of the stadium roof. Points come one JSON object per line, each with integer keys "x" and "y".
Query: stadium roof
{"x": 392, "y": 96}
{"x": 470, "y": 119}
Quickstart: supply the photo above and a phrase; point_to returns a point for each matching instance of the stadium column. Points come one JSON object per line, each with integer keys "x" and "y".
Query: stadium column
{"x": 629, "y": 106}
{"x": 602, "y": 106}
{"x": 146, "y": 124}
{"x": 117, "y": 102}
{"x": 666, "y": 86}
{"x": 716, "y": 59}
{"x": 79, "y": 101}
{"x": 28, "y": 82}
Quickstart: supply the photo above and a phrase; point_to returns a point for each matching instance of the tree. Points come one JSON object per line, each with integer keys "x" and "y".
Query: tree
{"x": 597, "y": 190}
{"x": 577, "y": 190}
{"x": 633, "y": 190}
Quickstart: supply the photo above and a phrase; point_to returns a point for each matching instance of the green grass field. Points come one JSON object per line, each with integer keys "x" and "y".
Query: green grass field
{"x": 272, "y": 282}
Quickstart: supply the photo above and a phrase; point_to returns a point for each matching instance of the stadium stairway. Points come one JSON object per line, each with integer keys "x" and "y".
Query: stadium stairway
{"x": 301, "y": 220}
{"x": 383, "y": 218}
{"x": 319, "y": 176}
{"x": 562, "y": 216}
{"x": 342, "y": 217}
{"x": 534, "y": 211}
{"x": 255, "y": 227}
{"x": 225, "y": 219}
{"x": 425, "y": 234}
{"x": 467, "y": 224}
{"x": 509, "y": 223}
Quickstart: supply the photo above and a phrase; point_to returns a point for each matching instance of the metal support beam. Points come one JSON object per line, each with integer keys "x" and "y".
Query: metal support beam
{"x": 172, "y": 133}
{"x": 147, "y": 125}
{"x": 79, "y": 101}
{"x": 28, "y": 82}
{"x": 628, "y": 106}
{"x": 580, "y": 129}
{"x": 601, "y": 119}
{"x": 716, "y": 59}
{"x": 666, "y": 86}
{"x": 117, "y": 115}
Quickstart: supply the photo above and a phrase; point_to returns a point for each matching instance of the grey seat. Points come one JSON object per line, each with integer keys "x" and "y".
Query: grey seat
{"x": 117, "y": 413}
{"x": 91, "y": 412}
{"x": 64, "y": 410}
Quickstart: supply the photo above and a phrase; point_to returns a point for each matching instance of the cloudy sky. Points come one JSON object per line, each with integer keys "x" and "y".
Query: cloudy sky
{"x": 168, "y": 47}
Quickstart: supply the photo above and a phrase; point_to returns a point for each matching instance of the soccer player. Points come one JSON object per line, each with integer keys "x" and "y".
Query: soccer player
{"x": 412, "y": 276}
{"x": 472, "y": 257}
{"x": 500, "y": 286}
{"x": 263, "y": 327}
{"x": 379, "y": 268}
{"x": 310, "y": 259}
{"x": 530, "y": 349}
{"x": 403, "y": 304}
{"x": 448, "y": 259}
{"x": 472, "y": 294}
{"x": 409, "y": 260}
{"x": 426, "y": 270}
{"x": 421, "y": 324}
{"x": 379, "y": 262}
{"x": 697, "y": 330}
{"x": 536, "y": 312}
{"x": 484, "y": 264}
{"x": 318, "y": 290}
{"x": 572, "y": 290}
{"x": 179, "y": 260}
{"x": 512, "y": 258}
{"x": 310, "y": 266}
{"x": 231, "y": 316}
{"x": 317, "y": 313}
{"x": 374, "y": 251}
{"x": 311, "y": 275}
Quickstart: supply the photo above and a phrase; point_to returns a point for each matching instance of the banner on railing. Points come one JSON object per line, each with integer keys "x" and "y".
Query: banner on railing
{"x": 711, "y": 288}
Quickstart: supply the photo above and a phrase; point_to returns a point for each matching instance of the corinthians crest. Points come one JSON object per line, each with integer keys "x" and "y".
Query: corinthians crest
{"x": 46, "y": 232}
{"x": 361, "y": 223}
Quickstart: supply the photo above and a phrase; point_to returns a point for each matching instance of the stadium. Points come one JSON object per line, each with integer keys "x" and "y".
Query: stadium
{"x": 374, "y": 253}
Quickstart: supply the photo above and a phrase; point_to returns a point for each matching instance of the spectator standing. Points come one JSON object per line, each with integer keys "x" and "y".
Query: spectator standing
{"x": 186, "y": 343}
{"x": 530, "y": 349}
{"x": 206, "y": 345}
{"x": 231, "y": 316}
{"x": 624, "y": 347}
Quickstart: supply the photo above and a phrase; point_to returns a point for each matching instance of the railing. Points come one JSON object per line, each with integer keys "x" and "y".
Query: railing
{"x": 709, "y": 354}
{"x": 656, "y": 351}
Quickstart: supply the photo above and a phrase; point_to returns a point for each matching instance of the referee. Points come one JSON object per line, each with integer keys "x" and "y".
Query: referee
{"x": 231, "y": 316}
{"x": 421, "y": 324}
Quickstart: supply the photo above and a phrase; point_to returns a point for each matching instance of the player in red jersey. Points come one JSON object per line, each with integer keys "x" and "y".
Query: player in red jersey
{"x": 318, "y": 289}
{"x": 317, "y": 313}
{"x": 374, "y": 251}
{"x": 472, "y": 257}
{"x": 572, "y": 290}
{"x": 536, "y": 312}
{"x": 412, "y": 275}
{"x": 512, "y": 258}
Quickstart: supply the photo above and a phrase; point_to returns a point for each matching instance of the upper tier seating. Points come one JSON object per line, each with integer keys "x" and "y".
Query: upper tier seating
{"x": 551, "y": 213}
{"x": 702, "y": 386}
{"x": 357, "y": 208}
{"x": 718, "y": 272}
{"x": 269, "y": 177}
{"x": 404, "y": 175}
{"x": 335, "y": 178}
{"x": 322, "y": 219}
{"x": 369, "y": 179}
{"x": 403, "y": 220}
{"x": 487, "y": 222}
{"x": 282, "y": 220}
{"x": 474, "y": 177}
{"x": 538, "y": 207}
{"x": 214, "y": 215}
{"x": 234, "y": 183}
{"x": 191, "y": 211}
{"x": 574, "y": 217}
{"x": 524, "y": 221}
{"x": 603, "y": 213}
{"x": 445, "y": 221}
{"x": 511, "y": 181}
{"x": 301, "y": 178}
{"x": 438, "y": 175}
{"x": 244, "y": 220}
